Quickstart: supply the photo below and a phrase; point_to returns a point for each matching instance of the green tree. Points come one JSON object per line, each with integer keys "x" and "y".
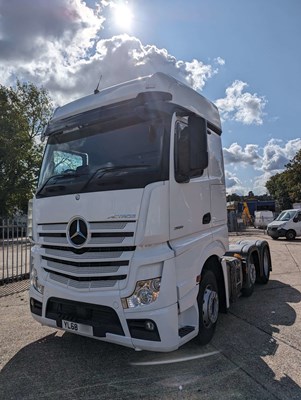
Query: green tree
{"x": 233, "y": 197}
{"x": 24, "y": 111}
{"x": 277, "y": 187}
{"x": 293, "y": 169}
{"x": 285, "y": 187}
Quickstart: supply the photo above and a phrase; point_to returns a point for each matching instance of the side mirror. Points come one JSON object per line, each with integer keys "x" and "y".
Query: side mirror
{"x": 182, "y": 159}
{"x": 198, "y": 144}
{"x": 295, "y": 219}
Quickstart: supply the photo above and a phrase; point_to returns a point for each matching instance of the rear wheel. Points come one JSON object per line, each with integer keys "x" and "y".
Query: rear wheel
{"x": 290, "y": 235}
{"x": 246, "y": 292}
{"x": 208, "y": 305}
{"x": 266, "y": 266}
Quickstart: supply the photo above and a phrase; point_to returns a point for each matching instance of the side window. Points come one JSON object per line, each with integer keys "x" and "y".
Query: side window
{"x": 66, "y": 161}
{"x": 191, "y": 154}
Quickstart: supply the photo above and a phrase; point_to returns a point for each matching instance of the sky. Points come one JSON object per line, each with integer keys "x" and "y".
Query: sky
{"x": 243, "y": 55}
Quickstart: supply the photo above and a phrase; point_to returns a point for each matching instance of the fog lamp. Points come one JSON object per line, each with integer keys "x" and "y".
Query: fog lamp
{"x": 150, "y": 326}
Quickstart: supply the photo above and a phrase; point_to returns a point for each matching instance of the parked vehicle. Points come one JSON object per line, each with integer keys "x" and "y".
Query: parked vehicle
{"x": 129, "y": 219}
{"x": 287, "y": 224}
{"x": 263, "y": 218}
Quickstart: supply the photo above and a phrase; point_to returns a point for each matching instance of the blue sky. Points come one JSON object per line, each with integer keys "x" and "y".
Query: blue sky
{"x": 243, "y": 55}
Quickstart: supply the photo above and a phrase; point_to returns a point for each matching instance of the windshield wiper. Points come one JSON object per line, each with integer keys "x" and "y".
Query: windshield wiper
{"x": 58, "y": 177}
{"x": 113, "y": 168}
{"x": 101, "y": 170}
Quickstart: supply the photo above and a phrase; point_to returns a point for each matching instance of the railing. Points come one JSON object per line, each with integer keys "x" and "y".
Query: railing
{"x": 14, "y": 250}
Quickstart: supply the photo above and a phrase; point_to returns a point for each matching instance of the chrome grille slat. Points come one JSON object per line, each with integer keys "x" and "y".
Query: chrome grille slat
{"x": 65, "y": 255}
{"x": 107, "y": 240}
{"x": 102, "y": 284}
{"x": 108, "y": 225}
{"x": 79, "y": 285}
{"x": 86, "y": 271}
{"x": 82, "y": 285}
{"x": 54, "y": 240}
{"x": 61, "y": 227}
{"x": 58, "y": 278}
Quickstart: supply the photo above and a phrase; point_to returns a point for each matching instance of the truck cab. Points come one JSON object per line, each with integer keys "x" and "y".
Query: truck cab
{"x": 287, "y": 224}
{"x": 129, "y": 223}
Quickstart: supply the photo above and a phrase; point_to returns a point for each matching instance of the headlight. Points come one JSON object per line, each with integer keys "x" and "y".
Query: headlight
{"x": 146, "y": 292}
{"x": 34, "y": 280}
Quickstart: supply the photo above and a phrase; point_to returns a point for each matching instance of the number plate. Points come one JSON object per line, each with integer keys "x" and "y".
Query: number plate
{"x": 76, "y": 327}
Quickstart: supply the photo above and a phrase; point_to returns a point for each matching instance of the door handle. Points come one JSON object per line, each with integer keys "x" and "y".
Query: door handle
{"x": 207, "y": 218}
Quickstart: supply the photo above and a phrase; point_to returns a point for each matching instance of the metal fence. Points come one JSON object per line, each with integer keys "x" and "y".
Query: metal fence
{"x": 14, "y": 250}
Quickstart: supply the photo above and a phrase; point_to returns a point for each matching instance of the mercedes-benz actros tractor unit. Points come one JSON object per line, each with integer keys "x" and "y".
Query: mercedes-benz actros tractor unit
{"x": 129, "y": 222}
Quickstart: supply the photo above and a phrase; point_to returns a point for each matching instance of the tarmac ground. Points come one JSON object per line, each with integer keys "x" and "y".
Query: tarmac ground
{"x": 255, "y": 353}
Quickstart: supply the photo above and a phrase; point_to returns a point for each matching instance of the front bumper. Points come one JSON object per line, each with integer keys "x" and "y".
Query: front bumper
{"x": 156, "y": 330}
{"x": 276, "y": 233}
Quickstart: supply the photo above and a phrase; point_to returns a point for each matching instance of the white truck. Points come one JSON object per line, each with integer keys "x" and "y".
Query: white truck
{"x": 129, "y": 224}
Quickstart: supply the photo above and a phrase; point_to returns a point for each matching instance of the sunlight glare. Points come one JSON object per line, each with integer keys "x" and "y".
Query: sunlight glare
{"x": 123, "y": 16}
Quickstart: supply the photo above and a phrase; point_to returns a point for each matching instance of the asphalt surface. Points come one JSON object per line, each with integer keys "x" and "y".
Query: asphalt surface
{"x": 255, "y": 353}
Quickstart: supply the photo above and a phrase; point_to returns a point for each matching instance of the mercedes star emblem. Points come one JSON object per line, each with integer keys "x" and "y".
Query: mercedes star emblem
{"x": 77, "y": 232}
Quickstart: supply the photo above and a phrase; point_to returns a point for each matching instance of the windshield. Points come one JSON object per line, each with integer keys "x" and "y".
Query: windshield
{"x": 104, "y": 157}
{"x": 285, "y": 216}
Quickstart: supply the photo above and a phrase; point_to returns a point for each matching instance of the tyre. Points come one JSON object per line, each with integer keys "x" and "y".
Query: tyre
{"x": 274, "y": 237}
{"x": 290, "y": 235}
{"x": 266, "y": 266}
{"x": 208, "y": 305}
{"x": 246, "y": 292}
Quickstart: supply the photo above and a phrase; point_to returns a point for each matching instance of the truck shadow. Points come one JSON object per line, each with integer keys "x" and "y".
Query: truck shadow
{"x": 245, "y": 360}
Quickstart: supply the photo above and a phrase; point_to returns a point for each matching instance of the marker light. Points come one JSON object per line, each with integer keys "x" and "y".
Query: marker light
{"x": 34, "y": 280}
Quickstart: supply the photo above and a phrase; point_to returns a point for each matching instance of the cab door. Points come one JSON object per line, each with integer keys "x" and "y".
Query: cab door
{"x": 190, "y": 203}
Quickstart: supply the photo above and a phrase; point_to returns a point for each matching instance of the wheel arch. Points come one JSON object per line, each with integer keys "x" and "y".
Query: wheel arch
{"x": 213, "y": 264}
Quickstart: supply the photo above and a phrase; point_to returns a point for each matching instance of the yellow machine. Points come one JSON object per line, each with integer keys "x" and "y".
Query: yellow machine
{"x": 246, "y": 216}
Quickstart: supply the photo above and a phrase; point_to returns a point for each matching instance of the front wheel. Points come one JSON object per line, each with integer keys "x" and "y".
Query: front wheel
{"x": 208, "y": 305}
{"x": 290, "y": 235}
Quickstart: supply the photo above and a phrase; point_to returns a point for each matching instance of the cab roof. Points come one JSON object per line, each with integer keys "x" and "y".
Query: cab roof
{"x": 181, "y": 94}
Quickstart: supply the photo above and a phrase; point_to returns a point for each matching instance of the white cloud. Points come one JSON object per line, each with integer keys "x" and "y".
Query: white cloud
{"x": 241, "y": 106}
{"x": 276, "y": 154}
{"x": 260, "y": 181}
{"x": 236, "y": 154}
{"x": 233, "y": 184}
{"x": 269, "y": 160}
{"x": 272, "y": 157}
{"x": 219, "y": 61}
{"x": 58, "y": 45}
{"x": 30, "y": 29}
{"x": 198, "y": 73}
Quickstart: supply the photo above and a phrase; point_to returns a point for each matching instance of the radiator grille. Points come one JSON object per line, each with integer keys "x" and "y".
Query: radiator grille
{"x": 101, "y": 264}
